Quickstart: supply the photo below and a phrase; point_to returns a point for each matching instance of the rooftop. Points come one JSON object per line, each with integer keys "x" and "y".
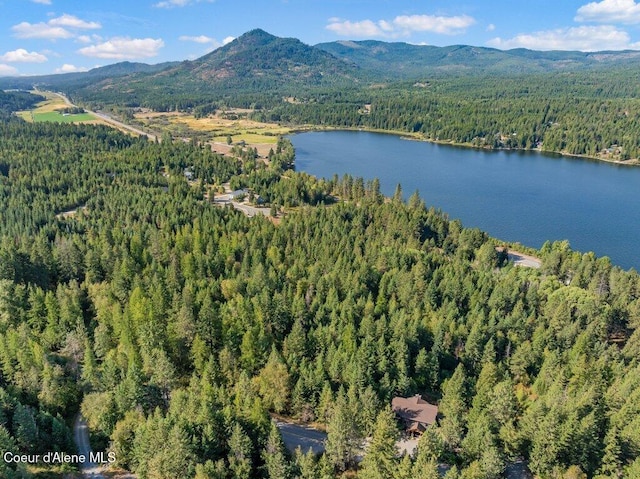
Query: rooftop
{"x": 415, "y": 410}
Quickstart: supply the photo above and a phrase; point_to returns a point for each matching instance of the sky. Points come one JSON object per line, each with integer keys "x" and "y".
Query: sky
{"x": 58, "y": 36}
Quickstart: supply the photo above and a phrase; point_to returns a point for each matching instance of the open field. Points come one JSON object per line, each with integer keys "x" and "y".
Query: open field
{"x": 217, "y": 128}
{"x": 57, "y": 117}
{"x": 47, "y": 111}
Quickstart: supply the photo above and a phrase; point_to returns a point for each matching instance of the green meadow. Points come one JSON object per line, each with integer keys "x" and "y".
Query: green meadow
{"x": 53, "y": 116}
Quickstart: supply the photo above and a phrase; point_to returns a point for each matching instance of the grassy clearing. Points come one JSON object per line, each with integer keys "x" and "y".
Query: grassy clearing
{"x": 52, "y": 103}
{"x": 216, "y": 128}
{"x": 54, "y": 116}
{"x": 47, "y": 111}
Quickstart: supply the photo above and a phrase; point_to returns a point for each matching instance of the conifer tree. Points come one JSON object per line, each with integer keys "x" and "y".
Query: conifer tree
{"x": 381, "y": 458}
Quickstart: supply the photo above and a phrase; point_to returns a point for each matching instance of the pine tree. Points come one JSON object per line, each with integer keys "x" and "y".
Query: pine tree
{"x": 453, "y": 407}
{"x": 240, "y": 450}
{"x": 381, "y": 458}
{"x": 342, "y": 436}
{"x": 274, "y": 456}
{"x": 273, "y": 383}
{"x": 306, "y": 464}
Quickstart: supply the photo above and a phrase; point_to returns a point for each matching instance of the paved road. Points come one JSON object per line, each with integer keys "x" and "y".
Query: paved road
{"x": 250, "y": 211}
{"x": 526, "y": 261}
{"x": 81, "y": 438}
{"x": 119, "y": 124}
{"x": 521, "y": 259}
{"x": 518, "y": 470}
{"x": 306, "y": 438}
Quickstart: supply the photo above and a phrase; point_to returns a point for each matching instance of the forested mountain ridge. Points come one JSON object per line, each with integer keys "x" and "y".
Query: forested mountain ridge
{"x": 178, "y": 326}
{"x": 260, "y": 54}
{"x": 253, "y": 64}
{"x": 567, "y": 102}
{"x": 70, "y": 81}
{"x": 405, "y": 61}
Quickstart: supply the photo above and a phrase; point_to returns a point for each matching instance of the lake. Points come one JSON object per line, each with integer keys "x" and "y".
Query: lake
{"x": 528, "y": 197}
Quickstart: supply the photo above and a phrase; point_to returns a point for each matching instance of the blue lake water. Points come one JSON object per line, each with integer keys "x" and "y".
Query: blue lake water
{"x": 515, "y": 196}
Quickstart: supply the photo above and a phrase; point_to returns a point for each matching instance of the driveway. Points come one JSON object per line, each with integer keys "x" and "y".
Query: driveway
{"x": 295, "y": 435}
{"x": 81, "y": 438}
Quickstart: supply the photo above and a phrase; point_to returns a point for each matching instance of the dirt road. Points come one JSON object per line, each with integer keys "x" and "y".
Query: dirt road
{"x": 81, "y": 438}
{"x": 526, "y": 261}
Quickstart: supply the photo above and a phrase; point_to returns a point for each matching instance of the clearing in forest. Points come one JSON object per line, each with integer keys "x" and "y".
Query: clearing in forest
{"x": 216, "y": 128}
{"x": 48, "y": 110}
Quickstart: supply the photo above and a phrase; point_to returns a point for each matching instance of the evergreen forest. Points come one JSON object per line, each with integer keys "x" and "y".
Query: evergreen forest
{"x": 179, "y": 328}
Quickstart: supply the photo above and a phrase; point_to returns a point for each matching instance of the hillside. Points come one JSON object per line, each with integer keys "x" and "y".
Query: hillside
{"x": 260, "y": 68}
{"x": 66, "y": 81}
{"x": 177, "y": 327}
{"x": 255, "y": 62}
{"x": 403, "y": 60}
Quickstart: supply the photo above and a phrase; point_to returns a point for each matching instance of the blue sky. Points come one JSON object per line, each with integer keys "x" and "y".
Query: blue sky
{"x": 55, "y": 36}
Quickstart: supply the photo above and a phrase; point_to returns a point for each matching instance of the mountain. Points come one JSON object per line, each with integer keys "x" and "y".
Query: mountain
{"x": 403, "y": 60}
{"x": 260, "y": 55}
{"x": 254, "y": 62}
{"x": 252, "y": 65}
{"x": 260, "y": 68}
{"x": 64, "y": 81}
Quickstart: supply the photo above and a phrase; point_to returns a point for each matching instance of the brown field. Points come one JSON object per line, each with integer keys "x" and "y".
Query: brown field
{"x": 216, "y": 129}
{"x": 52, "y": 102}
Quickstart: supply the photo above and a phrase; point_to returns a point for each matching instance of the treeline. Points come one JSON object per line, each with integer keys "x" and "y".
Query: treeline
{"x": 12, "y": 101}
{"x": 580, "y": 113}
{"x": 71, "y": 110}
{"x": 276, "y": 183}
{"x": 570, "y": 114}
{"x": 177, "y": 327}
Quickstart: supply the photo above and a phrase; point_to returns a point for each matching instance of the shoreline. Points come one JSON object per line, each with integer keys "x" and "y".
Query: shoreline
{"x": 634, "y": 162}
{"x": 524, "y": 246}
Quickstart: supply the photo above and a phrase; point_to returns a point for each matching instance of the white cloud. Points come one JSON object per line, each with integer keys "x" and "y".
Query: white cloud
{"x": 198, "y": 39}
{"x": 72, "y": 21}
{"x": 23, "y": 56}
{"x": 84, "y": 39}
{"x": 68, "y": 68}
{"x": 403, "y": 25}
{"x": 178, "y": 3}
{"x": 203, "y": 39}
{"x": 364, "y": 28}
{"x": 435, "y": 24}
{"x": 50, "y": 53}
{"x": 40, "y": 30}
{"x": 172, "y": 3}
{"x": 121, "y": 48}
{"x": 43, "y": 2}
{"x": 7, "y": 70}
{"x": 583, "y": 38}
{"x": 55, "y": 29}
{"x": 491, "y": 27}
{"x": 609, "y": 11}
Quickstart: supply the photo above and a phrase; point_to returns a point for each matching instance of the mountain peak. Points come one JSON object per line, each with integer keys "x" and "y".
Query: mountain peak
{"x": 256, "y": 36}
{"x": 257, "y": 57}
